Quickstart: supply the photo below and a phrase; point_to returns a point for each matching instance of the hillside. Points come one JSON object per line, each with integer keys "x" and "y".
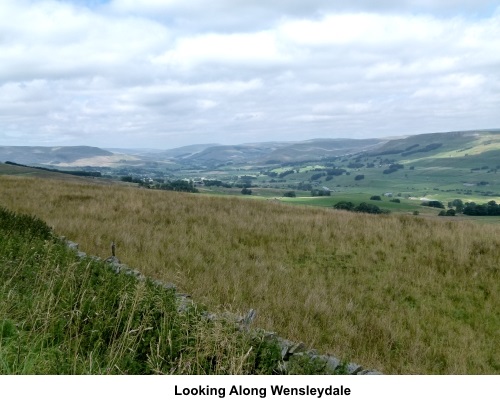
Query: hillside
{"x": 452, "y": 149}
{"x": 424, "y": 148}
{"x": 320, "y": 149}
{"x": 402, "y": 294}
{"x": 239, "y": 154}
{"x": 28, "y": 171}
{"x": 444, "y": 167}
{"x": 63, "y": 155}
{"x": 63, "y": 314}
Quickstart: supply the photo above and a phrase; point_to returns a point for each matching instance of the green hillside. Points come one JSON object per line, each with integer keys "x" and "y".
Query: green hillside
{"x": 442, "y": 166}
{"x": 60, "y": 314}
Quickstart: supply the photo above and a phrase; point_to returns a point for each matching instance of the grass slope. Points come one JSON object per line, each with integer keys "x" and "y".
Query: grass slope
{"x": 401, "y": 294}
{"x": 62, "y": 315}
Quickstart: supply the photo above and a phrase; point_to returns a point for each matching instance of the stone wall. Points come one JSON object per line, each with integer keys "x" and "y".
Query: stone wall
{"x": 290, "y": 351}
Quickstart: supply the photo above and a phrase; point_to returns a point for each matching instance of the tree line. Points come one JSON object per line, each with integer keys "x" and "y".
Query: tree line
{"x": 490, "y": 208}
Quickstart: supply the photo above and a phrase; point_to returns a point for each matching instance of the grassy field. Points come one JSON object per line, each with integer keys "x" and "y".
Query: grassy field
{"x": 430, "y": 181}
{"x": 398, "y": 293}
{"x": 60, "y": 314}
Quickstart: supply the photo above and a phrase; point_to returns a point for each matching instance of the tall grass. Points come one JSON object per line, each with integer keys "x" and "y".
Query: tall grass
{"x": 62, "y": 315}
{"x": 397, "y": 293}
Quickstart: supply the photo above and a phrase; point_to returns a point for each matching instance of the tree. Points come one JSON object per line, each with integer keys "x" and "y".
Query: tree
{"x": 370, "y": 209}
{"x": 376, "y": 198}
{"x": 344, "y": 205}
{"x": 289, "y": 194}
{"x": 359, "y": 177}
{"x": 178, "y": 185}
{"x": 434, "y": 204}
{"x": 491, "y": 208}
{"x": 458, "y": 204}
{"x": 335, "y": 172}
{"x": 317, "y": 176}
{"x": 393, "y": 168}
{"x": 246, "y": 191}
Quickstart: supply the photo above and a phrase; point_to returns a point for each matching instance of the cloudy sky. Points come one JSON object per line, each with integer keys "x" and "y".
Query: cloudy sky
{"x": 167, "y": 73}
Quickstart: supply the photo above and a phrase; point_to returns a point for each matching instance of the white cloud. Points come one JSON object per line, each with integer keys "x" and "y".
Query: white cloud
{"x": 207, "y": 104}
{"x": 254, "y": 48}
{"x": 52, "y": 39}
{"x": 363, "y": 28}
{"x": 455, "y": 85}
{"x": 238, "y": 70}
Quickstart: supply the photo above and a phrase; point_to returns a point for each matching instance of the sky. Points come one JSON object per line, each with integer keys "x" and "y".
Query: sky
{"x": 167, "y": 73}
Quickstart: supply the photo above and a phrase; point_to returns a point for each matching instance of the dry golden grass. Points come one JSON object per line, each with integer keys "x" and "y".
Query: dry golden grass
{"x": 398, "y": 293}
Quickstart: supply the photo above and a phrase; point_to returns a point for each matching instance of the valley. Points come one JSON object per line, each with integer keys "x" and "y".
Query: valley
{"x": 409, "y": 292}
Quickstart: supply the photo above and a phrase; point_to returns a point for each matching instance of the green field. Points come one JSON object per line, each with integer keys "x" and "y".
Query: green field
{"x": 464, "y": 167}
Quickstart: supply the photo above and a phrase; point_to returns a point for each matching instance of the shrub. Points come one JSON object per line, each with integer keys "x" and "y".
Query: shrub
{"x": 370, "y": 209}
{"x": 433, "y": 204}
{"x": 344, "y": 205}
{"x": 317, "y": 176}
{"x": 393, "y": 168}
{"x": 178, "y": 185}
{"x": 376, "y": 198}
{"x": 335, "y": 172}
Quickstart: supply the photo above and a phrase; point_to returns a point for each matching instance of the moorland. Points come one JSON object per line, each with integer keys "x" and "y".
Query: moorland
{"x": 399, "y": 292}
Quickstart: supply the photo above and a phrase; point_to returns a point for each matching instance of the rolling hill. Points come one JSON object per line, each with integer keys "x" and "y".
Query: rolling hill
{"x": 55, "y": 156}
{"x": 463, "y": 149}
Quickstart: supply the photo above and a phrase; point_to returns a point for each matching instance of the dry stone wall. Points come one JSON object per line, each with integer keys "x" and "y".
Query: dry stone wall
{"x": 290, "y": 351}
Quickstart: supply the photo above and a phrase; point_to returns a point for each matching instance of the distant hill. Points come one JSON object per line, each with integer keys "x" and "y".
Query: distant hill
{"x": 424, "y": 148}
{"x": 184, "y": 152}
{"x": 260, "y": 152}
{"x": 50, "y": 155}
{"x": 181, "y": 152}
{"x": 462, "y": 149}
{"x": 27, "y": 171}
{"x": 322, "y": 148}
{"x": 280, "y": 152}
{"x": 245, "y": 153}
